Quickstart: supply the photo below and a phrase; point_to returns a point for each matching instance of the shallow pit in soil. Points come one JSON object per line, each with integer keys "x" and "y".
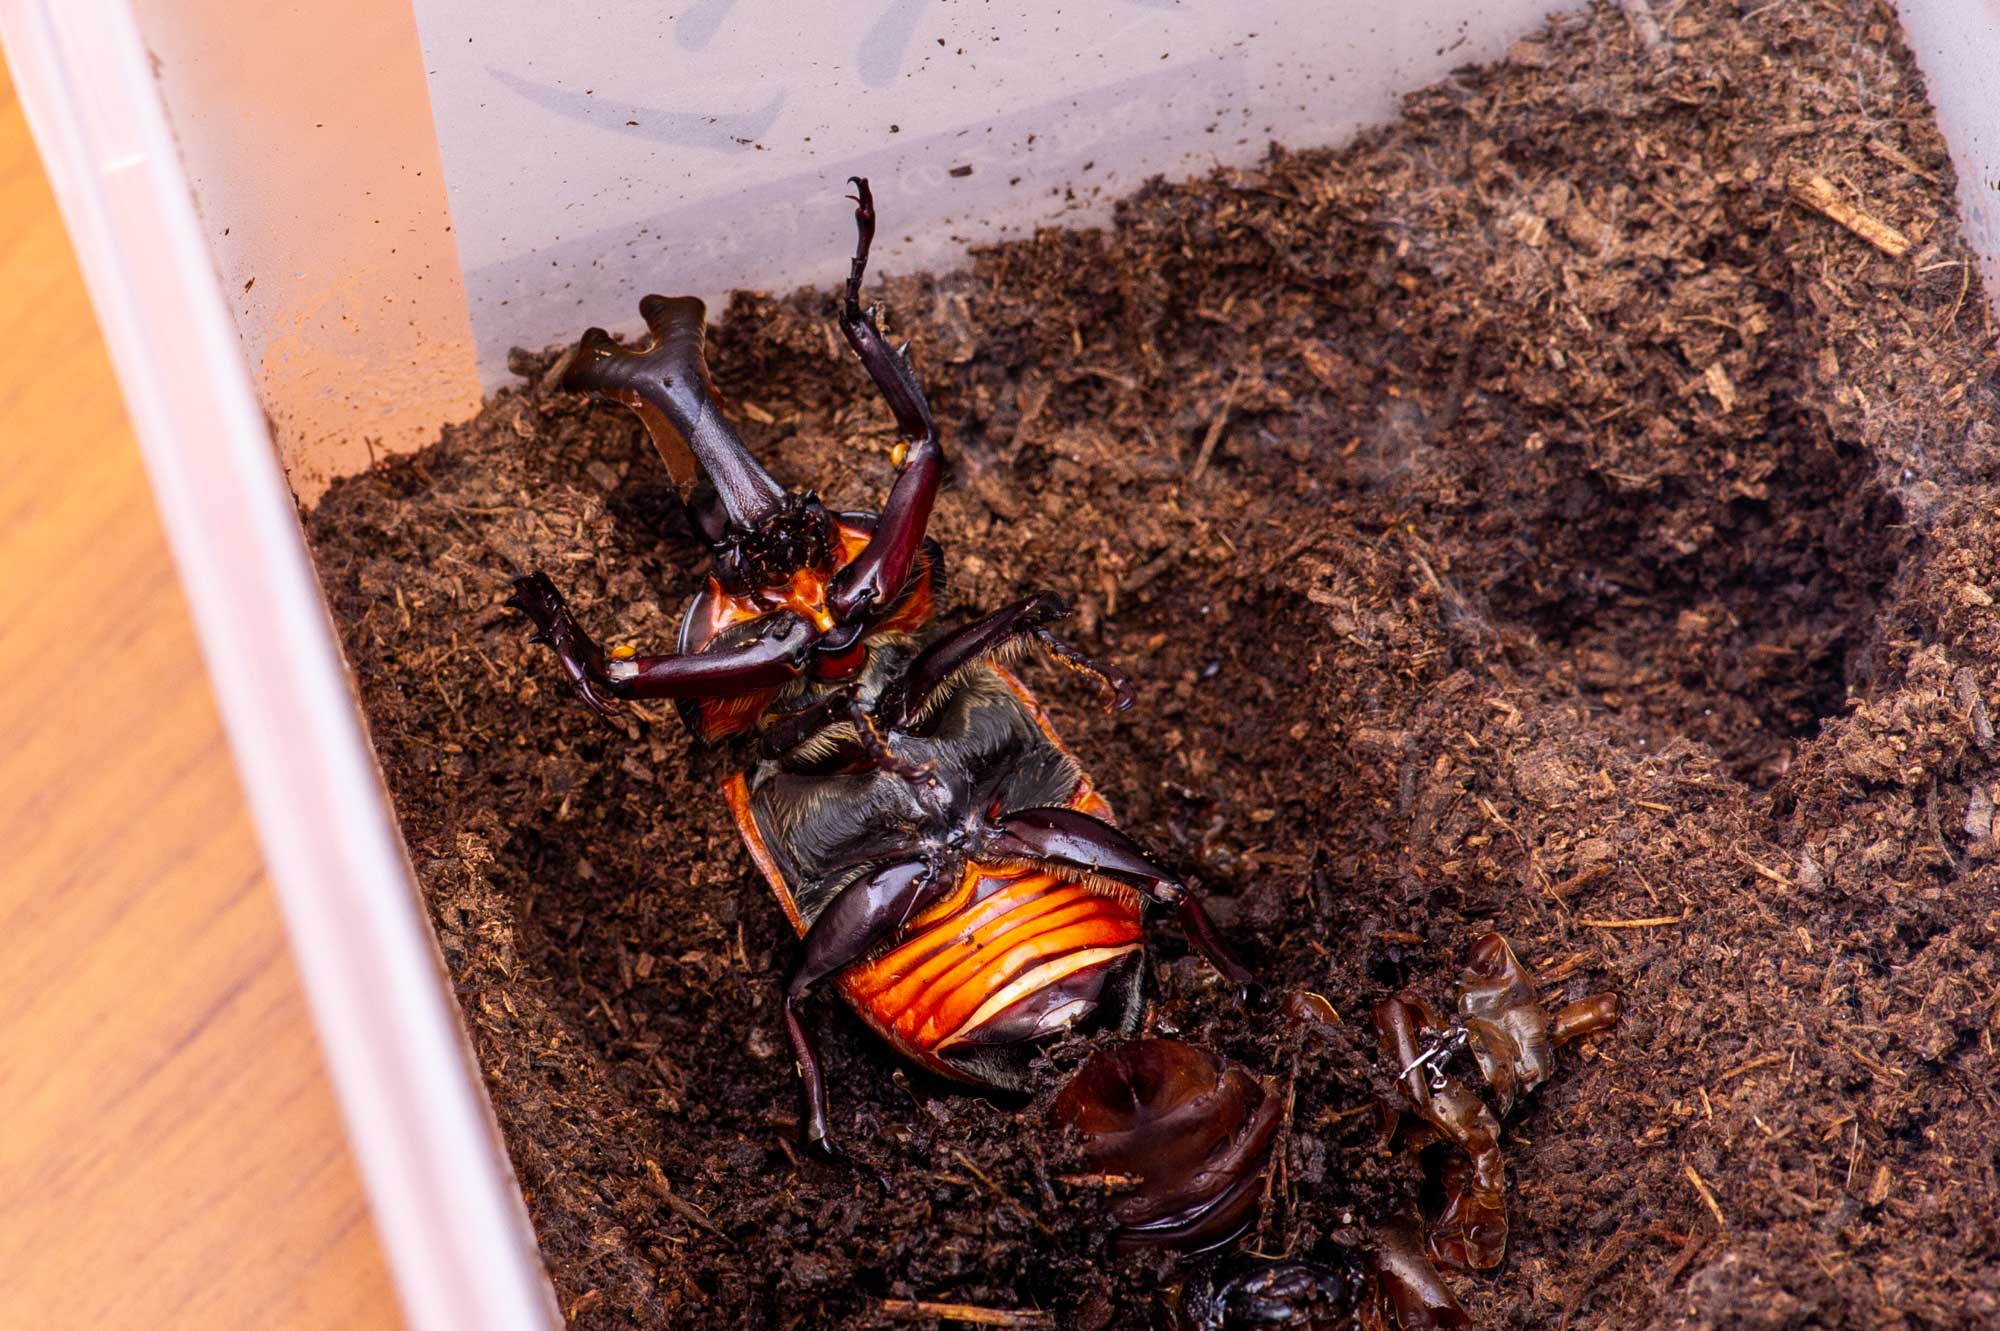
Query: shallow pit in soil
{"x": 1591, "y": 534}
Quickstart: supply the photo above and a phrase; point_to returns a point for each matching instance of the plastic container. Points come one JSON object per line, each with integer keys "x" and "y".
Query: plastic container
{"x": 311, "y": 236}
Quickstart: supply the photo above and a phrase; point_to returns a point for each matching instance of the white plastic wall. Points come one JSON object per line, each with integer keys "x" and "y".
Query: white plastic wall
{"x": 1957, "y": 45}
{"x": 397, "y": 191}
{"x": 306, "y": 133}
{"x": 444, "y": 1202}
{"x": 595, "y": 151}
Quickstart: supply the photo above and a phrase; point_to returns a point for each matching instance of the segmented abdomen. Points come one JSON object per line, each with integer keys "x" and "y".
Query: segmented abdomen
{"x": 998, "y": 946}
{"x": 1014, "y": 953}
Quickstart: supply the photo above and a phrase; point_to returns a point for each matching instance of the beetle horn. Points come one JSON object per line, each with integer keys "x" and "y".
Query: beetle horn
{"x": 666, "y": 382}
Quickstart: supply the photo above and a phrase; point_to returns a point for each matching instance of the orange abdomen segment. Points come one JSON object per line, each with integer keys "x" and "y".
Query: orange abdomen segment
{"x": 1003, "y": 937}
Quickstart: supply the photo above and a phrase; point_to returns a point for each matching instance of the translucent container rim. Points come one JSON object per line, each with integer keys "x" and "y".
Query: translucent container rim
{"x": 446, "y": 1206}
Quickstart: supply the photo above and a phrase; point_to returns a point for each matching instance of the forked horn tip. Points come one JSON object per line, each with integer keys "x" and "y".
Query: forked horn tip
{"x": 576, "y": 371}
{"x": 660, "y": 311}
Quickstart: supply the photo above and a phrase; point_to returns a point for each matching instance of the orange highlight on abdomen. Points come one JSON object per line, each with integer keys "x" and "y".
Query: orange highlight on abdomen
{"x": 1004, "y": 929}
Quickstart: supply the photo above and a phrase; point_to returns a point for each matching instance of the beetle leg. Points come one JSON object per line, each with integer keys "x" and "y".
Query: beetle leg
{"x": 1025, "y": 620}
{"x": 1415, "y": 1293}
{"x": 786, "y": 731}
{"x": 887, "y": 366}
{"x": 774, "y": 658}
{"x": 860, "y": 916}
{"x": 876, "y": 576}
{"x": 582, "y": 660}
{"x": 868, "y": 743}
{"x": 1069, "y": 837}
{"x": 1111, "y": 677}
{"x": 876, "y": 746}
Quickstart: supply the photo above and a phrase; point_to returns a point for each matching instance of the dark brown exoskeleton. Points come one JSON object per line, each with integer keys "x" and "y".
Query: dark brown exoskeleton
{"x": 1511, "y": 1039}
{"x": 1393, "y": 1288}
{"x": 944, "y": 858}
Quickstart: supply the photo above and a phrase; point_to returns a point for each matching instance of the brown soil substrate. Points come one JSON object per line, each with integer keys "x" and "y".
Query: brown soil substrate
{"x": 1528, "y": 517}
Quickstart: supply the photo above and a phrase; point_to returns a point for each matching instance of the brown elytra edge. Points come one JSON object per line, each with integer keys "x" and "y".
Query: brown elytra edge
{"x": 1530, "y": 517}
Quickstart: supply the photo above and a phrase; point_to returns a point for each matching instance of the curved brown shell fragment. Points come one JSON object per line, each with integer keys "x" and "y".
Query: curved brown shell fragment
{"x": 1499, "y": 1058}
{"x": 1193, "y": 1129}
{"x": 1497, "y": 1002}
{"x": 1471, "y": 1232}
{"x": 1586, "y": 1016}
{"x": 1310, "y": 1009}
{"x": 1417, "y": 1296}
{"x": 1513, "y": 1041}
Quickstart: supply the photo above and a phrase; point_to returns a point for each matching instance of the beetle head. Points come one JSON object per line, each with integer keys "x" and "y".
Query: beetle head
{"x": 795, "y": 538}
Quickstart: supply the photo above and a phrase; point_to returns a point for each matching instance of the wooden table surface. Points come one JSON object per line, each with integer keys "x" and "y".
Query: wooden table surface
{"x": 170, "y": 1154}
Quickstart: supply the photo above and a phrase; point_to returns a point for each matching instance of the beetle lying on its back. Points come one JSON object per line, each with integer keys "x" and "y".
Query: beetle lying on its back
{"x": 944, "y": 858}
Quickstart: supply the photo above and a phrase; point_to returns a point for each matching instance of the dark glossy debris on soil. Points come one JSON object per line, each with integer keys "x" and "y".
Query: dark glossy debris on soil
{"x": 1180, "y": 1138}
{"x": 1547, "y": 514}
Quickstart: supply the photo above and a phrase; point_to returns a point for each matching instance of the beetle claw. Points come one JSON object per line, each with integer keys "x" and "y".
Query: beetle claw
{"x": 1115, "y": 681}
{"x": 822, "y": 1151}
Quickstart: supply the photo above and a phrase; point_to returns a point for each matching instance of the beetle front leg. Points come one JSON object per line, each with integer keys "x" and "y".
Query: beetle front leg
{"x": 1069, "y": 837}
{"x": 876, "y": 745}
{"x": 868, "y": 742}
{"x": 582, "y": 660}
{"x": 886, "y": 365}
{"x": 776, "y": 656}
{"x": 875, "y": 577}
{"x": 860, "y": 916}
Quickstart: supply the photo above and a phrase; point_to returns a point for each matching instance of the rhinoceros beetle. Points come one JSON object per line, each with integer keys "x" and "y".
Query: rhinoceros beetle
{"x": 945, "y": 859}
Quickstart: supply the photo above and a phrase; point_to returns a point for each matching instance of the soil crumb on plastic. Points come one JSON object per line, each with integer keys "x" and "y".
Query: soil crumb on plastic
{"x": 1542, "y": 514}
